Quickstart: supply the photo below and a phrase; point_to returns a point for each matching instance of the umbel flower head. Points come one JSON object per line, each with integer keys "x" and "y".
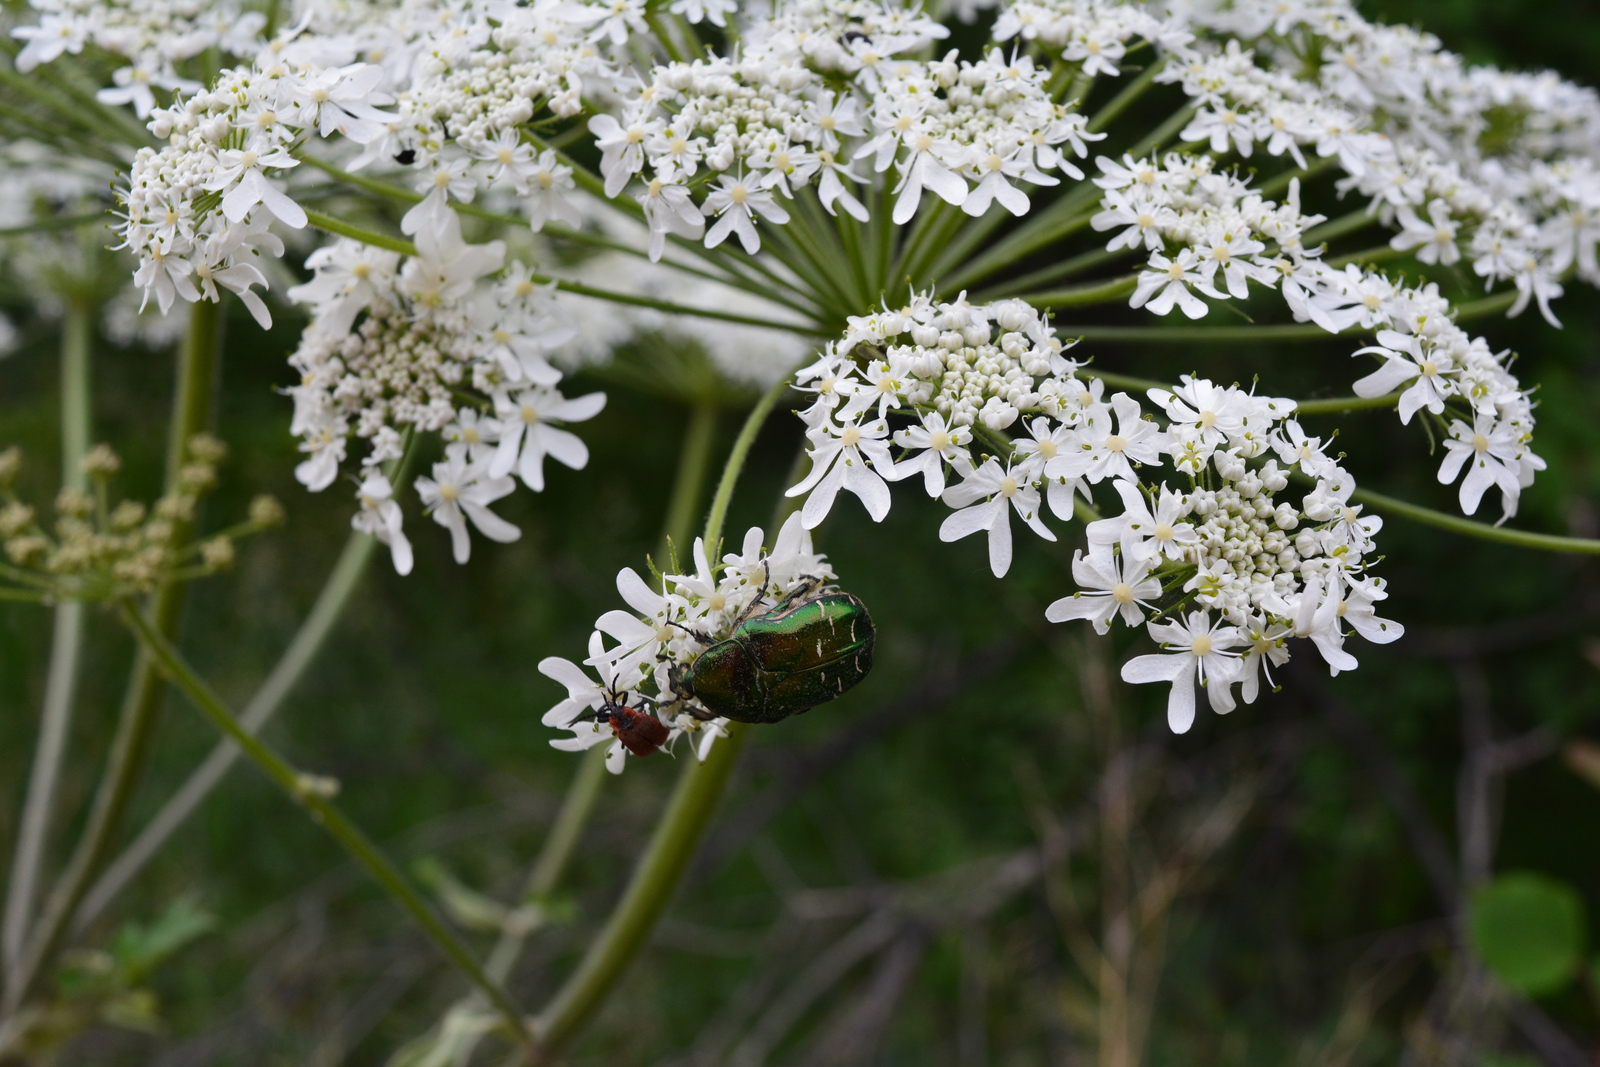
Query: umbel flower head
{"x": 793, "y": 178}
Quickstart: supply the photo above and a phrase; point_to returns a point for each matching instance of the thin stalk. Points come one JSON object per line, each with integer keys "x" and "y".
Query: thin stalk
{"x": 911, "y": 247}
{"x": 1339, "y": 404}
{"x": 687, "y": 488}
{"x": 684, "y": 822}
{"x": 1084, "y": 295}
{"x": 1359, "y": 219}
{"x": 1481, "y": 530}
{"x": 736, "y": 457}
{"x": 66, "y": 646}
{"x": 1378, "y": 254}
{"x": 578, "y": 804}
{"x": 1057, "y": 272}
{"x": 309, "y": 792}
{"x": 850, "y": 234}
{"x": 1330, "y": 406}
{"x": 820, "y": 249}
{"x": 1472, "y": 309}
{"x": 70, "y": 116}
{"x": 340, "y": 228}
{"x": 191, "y": 413}
{"x": 401, "y": 195}
{"x": 285, "y": 675}
{"x": 396, "y": 244}
{"x": 920, "y": 268}
{"x": 1131, "y": 92}
{"x": 1273, "y": 186}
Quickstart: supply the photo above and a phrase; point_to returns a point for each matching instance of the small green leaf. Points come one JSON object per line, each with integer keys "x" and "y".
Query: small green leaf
{"x": 1529, "y": 930}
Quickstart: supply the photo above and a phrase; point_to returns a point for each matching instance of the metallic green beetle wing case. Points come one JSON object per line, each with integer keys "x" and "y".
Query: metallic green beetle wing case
{"x": 785, "y": 661}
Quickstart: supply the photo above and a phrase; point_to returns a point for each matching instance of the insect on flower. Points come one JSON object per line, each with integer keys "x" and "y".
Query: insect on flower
{"x": 815, "y": 644}
{"x": 640, "y": 732}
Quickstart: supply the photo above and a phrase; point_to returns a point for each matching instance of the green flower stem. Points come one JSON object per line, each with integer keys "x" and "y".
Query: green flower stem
{"x": 341, "y": 228}
{"x": 684, "y": 822}
{"x": 286, "y": 673}
{"x": 1042, "y": 227}
{"x": 1339, "y": 404}
{"x": 736, "y": 457}
{"x": 660, "y": 869}
{"x": 690, "y": 483}
{"x": 919, "y": 268}
{"x": 1273, "y": 186}
{"x": 401, "y": 195}
{"x": 89, "y": 120}
{"x": 1358, "y": 219}
{"x": 1084, "y": 295}
{"x": 1130, "y": 93}
{"x": 1330, "y": 406}
{"x": 66, "y": 645}
{"x": 310, "y": 792}
{"x": 1481, "y": 530}
{"x": 1055, "y": 272}
{"x": 191, "y": 414}
{"x": 1377, "y": 254}
{"x": 1309, "y": 331}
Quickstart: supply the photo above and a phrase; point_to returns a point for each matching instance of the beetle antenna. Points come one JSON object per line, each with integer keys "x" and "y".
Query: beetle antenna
{"x": 699, "y": 635}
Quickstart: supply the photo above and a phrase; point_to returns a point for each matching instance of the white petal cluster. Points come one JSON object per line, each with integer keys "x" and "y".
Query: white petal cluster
{"x": 393, "y": 348}
{"x": 198, "y": 209}
{"x": 1208, "y": 234}
{"x": 673, "y": 620}
{"x": 1218, "y": 558}
{"x": 743, "y": 133}
{"x": 153, "y": 35}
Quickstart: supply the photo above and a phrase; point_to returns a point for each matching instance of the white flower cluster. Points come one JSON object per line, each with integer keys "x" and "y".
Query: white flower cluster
{"x": 668, "y": 627}
{"x": 392, "y": 349}
{"x": 1209, "y": 233}
{"x": 778, "y": 117}
{"x": 198, "y": 210}
{"x": 1501, "y": 169}
{"x": 153, "y": 35}
{"x": 1222, "y": 567}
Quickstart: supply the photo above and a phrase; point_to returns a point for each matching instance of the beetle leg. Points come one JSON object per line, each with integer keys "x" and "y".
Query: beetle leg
{"x": 761, "y": 594}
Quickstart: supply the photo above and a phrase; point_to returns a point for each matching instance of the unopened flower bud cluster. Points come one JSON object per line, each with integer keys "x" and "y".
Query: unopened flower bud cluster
{"x": 96, "y": 550}
{"x": 673, "y": 620}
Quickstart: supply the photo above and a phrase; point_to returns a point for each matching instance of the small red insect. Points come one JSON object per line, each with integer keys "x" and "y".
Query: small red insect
{"x": 639, "y": 731}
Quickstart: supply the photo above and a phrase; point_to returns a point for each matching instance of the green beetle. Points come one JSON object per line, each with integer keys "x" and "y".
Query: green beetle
{"x": 805, "y": 651}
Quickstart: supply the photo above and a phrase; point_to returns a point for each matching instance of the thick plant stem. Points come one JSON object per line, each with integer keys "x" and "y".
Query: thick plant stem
{"x": 66, "y": 645}
{"x": 647, "y": 896}
{"x": 684, "y": 822}
{"x": 551, "y": 863}
{"x": 191, "y": 414}
{"x": 286, "y": 673}
{"x": 312, "y": 793}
